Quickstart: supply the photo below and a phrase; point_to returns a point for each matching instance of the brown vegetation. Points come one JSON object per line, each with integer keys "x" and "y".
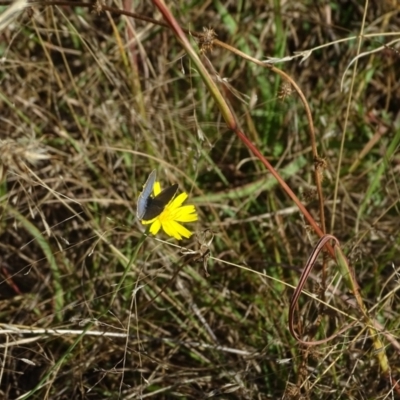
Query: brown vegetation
{"x": 91, "y": 101}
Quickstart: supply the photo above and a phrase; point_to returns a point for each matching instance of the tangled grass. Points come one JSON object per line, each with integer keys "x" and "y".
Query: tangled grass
{"x": 91, "y": 102}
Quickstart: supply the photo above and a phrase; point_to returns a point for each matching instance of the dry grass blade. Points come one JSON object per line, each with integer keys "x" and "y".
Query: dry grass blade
{"x": 12, "y": 12}
{"x": 15, "y": 154}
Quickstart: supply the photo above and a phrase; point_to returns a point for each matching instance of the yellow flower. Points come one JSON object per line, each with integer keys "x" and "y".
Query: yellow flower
{"x": 173, "y": 213}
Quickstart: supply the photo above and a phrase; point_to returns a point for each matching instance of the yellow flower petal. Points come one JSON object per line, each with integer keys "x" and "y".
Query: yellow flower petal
{"x": 186, "y": 214}
{"x": 178, "y": 200}
{"x": 155, "y": 227}
{"x": 156, "y": 188}
{"x": 150, "y": 221}
{"x": 182, "y": 231}
{"x": 174, "y": 213}
{"x": 168, "y": 228}
{"x": 172, "y": 228}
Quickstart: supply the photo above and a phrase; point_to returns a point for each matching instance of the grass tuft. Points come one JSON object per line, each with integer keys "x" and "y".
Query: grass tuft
{"x": 92, "y": 99}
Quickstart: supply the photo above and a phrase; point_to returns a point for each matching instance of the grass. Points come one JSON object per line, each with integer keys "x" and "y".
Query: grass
{"x": 91, "y": 103}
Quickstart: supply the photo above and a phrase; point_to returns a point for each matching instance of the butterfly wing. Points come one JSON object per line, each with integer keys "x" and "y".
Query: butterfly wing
{"x": 145, "y": 196}
{"x": 155, "y": 206}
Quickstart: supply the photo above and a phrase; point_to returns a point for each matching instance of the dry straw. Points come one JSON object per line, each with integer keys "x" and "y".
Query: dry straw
{"x": 13, "y": 12}
{"x": 15, "y": 154}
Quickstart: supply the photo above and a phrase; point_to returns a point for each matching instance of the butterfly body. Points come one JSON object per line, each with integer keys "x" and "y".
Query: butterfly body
{"x": 149, "y": 207}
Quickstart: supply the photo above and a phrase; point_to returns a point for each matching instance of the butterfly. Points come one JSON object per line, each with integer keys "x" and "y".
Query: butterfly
{"x": 149, "y": 207}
